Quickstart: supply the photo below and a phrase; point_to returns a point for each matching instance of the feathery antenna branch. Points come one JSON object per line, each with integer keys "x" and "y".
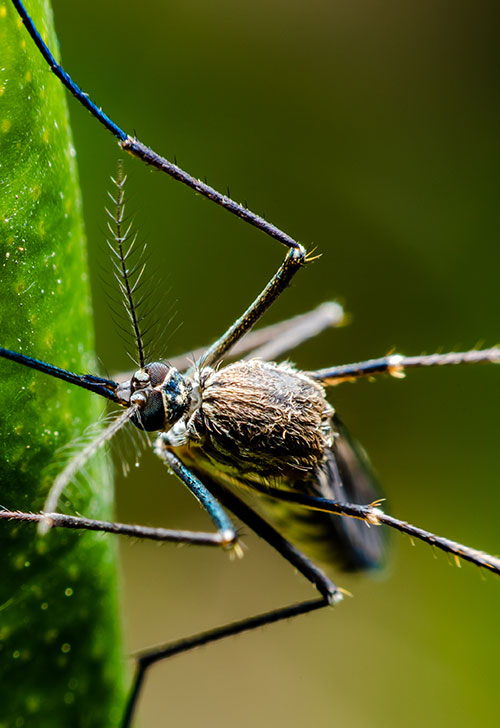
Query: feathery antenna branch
{"x": 122, "y": 272}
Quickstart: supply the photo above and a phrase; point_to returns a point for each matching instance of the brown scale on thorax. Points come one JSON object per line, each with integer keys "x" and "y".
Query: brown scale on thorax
{"x": 260, "y": 419}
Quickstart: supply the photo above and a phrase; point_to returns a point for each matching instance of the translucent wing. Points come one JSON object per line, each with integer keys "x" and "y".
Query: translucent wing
{"x": 348, "y": 478}
{"x": 345, "y": 476}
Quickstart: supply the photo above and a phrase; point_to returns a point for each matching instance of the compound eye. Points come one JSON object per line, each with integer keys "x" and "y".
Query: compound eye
{"x": 157, "y": 372}
{"x": 151, "y": 417}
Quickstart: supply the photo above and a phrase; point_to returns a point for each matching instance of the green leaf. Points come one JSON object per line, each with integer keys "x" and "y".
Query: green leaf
{"x": 60, "y": 647}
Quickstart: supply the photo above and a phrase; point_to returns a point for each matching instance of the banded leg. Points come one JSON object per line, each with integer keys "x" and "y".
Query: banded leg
{"x": 330, "y": 594}
{"x": 395, "y": 364}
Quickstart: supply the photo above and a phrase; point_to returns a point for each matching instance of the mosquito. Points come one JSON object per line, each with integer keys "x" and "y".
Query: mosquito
{"x": 251, "y": 425}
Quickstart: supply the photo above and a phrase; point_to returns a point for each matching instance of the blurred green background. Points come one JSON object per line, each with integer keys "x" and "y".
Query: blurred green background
{"x": 369, "y": 129}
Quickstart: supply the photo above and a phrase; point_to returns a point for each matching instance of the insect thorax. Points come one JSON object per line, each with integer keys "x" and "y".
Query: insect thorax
{"x": 258, "y": 418}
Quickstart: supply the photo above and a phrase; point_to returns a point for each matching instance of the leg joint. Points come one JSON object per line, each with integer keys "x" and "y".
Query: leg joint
{"x": 228, "y": 538}
{"x": 296, "y": 257}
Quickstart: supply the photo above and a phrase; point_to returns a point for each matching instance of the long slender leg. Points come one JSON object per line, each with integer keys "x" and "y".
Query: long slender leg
{"x": 295, "y": 259}
{"x": 294, "y": 331}
{"x": 79, "y": 523}
{"x": 135, "y": 147}
{"x": 271, "y": 341}
{"x": 226, "y": 535}
{"x": 98, "y": 385}
{"x": 395, "y": 364}
{"x": 224, "y": 526}
{"x": 270, "y": 535}
{"x": 372, "y": 515}
{"x": 146, "y": 659}
{"x": 329, "y": 594}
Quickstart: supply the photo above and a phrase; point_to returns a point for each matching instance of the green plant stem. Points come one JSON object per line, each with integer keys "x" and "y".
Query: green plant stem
{"x": 60, "y": 651}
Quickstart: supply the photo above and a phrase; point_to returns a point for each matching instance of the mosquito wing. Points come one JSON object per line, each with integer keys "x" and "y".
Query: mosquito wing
{"x": 345, "y": 476}
{"x": 348, "y": 477}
